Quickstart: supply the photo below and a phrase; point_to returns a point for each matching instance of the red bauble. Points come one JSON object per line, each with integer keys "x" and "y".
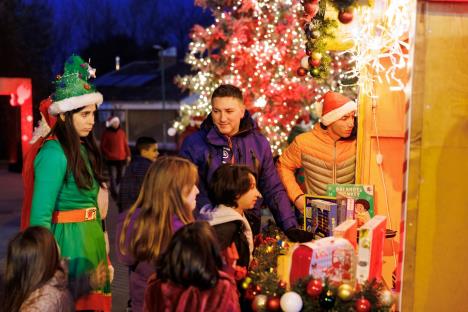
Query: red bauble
{"x": 314, "y": 62}
{"x": 250, "y": 294}
{"x": 362, "y": 305}
{"x": 273, "y": 304}
{"x": 314, "y": 288}
{"x": 282, "y": 284}
{"x": 345, "y": 17}
{"x": 311, "y": 8}
{"x": 301, "y": 71}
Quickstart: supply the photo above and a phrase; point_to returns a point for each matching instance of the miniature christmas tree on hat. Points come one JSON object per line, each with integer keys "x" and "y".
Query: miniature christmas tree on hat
{"x": 72, "y": 89}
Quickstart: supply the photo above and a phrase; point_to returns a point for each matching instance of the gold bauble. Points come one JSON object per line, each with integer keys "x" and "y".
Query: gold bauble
{"x": 386, "y": 298}
{"x": 345, "y": 292}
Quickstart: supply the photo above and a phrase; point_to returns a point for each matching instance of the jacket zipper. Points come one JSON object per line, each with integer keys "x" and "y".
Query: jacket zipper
{"x": 334, "y": 163}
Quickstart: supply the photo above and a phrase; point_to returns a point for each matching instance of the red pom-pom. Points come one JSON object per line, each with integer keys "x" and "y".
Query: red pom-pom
{"x": 345, "y": 17}
{"x": 86, "y": 86}
{"x": 362, "y": 305}
{"x": 314, "y": 288}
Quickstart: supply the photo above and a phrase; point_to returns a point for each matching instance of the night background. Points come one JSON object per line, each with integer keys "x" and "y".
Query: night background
{"x": 36, "y": 37}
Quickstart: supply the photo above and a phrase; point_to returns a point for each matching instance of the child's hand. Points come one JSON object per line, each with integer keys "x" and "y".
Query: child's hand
{"x": 98, "y": 277}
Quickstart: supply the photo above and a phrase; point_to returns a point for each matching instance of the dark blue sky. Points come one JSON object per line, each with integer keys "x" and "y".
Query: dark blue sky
{"x": 77, "y": 24}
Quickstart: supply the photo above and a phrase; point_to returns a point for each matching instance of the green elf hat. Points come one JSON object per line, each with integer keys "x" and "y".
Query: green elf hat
{"x": 72, "y": 89}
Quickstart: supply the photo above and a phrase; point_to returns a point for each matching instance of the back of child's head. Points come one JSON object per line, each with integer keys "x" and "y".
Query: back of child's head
{"x": 162, "y": 196}
{"x": 192, "y": 257}
{"x": 228, "y": 183}
{"x": 33, "y": 258}
{"x": 144, "y": 143}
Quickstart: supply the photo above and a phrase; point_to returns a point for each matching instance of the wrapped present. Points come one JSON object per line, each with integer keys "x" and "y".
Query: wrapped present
{"x": 370, "y": 249}
{"x": 348, "y": 231}
{"x": 330, "y": 257}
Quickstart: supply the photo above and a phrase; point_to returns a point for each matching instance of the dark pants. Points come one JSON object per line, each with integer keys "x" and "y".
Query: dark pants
{"x": 116, "y": 170}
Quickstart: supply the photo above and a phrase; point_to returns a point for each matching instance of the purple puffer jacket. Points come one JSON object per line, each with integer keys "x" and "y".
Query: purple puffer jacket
{"x": 208, "y": 149}
{"x": 139, "y": 271}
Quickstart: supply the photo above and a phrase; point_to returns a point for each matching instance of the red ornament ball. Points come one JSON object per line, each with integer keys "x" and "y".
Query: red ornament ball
{"x": 301, "y": 71}
{"x": 314, "y": 62}
{"x": 311, "y": 8}
{"x": 273, "y": 304}
{"x": 345, "y": 17}
{"x": 362, "y": 305}
{"x": 86, "y": 86}
{"x": 250, "y": 294}
{"x": 314, "y": 288}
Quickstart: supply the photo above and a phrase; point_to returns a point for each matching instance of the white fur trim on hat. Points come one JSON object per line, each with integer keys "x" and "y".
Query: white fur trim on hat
{"x": 112, "y": 120}
{"x": 75, "y": 102}
{"x": 336, "y": 114}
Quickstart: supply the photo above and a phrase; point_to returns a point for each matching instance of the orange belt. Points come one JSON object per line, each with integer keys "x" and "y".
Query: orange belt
{"x": 72, "y": 216}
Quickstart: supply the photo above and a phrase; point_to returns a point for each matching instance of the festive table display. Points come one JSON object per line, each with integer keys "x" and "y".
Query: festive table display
{"x": 315, "y": 276}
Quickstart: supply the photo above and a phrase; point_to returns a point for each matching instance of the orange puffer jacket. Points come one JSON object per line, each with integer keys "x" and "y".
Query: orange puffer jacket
{"x": 324, "y": 161}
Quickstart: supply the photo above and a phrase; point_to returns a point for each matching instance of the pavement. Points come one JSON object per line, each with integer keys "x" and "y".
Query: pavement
{"x": 11, "y": 198}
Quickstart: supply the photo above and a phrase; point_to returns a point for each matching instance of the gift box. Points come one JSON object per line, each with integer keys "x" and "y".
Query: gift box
{"x": 320, "y": 215}
{"x": 348, "y": 231}
{"x": 370, "y": 249}
{"x": 329, "y": 257}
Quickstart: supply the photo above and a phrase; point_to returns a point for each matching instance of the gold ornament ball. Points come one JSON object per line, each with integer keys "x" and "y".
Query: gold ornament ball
{"x": 345, "y": 292}
{"x": 386, "y": 298}
{"x": 316, "y": 55}
{"x": 245, "y": 285}
{"x": 259, "y": 302}
{"x": 248, "y": 280}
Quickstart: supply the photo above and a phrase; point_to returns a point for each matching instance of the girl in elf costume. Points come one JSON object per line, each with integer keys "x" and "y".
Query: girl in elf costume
{"x": 164, "y": 205}
{"x": 67, "y": 179}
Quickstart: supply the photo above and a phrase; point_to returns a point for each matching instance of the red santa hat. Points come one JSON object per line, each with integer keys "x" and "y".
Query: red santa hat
{"x": 111, "y": 120}
{"x": 335, "y": 106}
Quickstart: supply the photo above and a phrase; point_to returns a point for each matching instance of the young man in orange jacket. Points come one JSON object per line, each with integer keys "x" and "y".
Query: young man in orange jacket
{"x": 327, "y": 152}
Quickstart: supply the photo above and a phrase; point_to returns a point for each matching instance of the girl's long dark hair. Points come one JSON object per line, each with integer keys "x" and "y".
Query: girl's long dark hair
{"x": 70, "y": 141}
{"x": 32, "y": 260}
{"x": 192, "y": 258}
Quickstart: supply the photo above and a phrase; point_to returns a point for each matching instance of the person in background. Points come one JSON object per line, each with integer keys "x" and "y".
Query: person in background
{"x": 35, "y": 277}
{"x": 189, "y": 276}
{"x": 68, "y": 176}
{"x": 327, "y": 152}
{"x": 147, "y": 149}
{"x": 116, "y": 152}
{"x": 233, "y": 189}
{"x": 165, "y": 204}
{"x": 230, "y": 135}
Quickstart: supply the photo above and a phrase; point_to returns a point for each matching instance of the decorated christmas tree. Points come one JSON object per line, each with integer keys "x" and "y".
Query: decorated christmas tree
{"x": 258, "y": 46}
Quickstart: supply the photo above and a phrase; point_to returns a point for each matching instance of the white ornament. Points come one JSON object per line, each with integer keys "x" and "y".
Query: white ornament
{"x": 171, "y": 131}
{"x": 305, "y": 62}
{"x": 291, "y": 302}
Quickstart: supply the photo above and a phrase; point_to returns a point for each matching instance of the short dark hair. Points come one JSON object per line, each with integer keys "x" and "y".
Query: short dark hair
{"x": 144, "y": 143}
{"x": 192, "y": 258}
{"x": 227, "y": 90}
{"x": 363, "y": 202}
{"x": 228, "y": 183}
